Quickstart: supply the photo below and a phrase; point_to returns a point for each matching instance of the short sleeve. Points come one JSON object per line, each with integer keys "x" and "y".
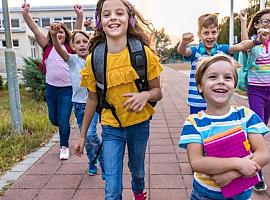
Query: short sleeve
{"x": 224, "y": 48}
{"x": 254, "y": 123}
{"x": 154, "y": 67}
{"x": 88, "y": 78}
{"x": 71, "y": 60}
{"x": 189, "y": 133}
{"x": 192, "y": 56}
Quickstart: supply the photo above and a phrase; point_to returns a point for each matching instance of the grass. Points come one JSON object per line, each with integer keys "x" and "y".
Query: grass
{"x": 37, "y": 129}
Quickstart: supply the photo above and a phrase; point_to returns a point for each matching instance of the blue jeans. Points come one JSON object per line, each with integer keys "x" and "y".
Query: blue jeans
{"x": 200, "y": 193}
{"x": 92, "y": 142}
{"x": 114, "y": 142}
{"x": 59, "y": 108}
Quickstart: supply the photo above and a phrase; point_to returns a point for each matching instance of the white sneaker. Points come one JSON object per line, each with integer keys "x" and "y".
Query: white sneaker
{"x": 64, "y": 153}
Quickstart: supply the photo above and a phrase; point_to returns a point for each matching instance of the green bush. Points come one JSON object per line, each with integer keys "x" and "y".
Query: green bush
{"x": 34, "y": 78}
{"x": 1, "y": 83}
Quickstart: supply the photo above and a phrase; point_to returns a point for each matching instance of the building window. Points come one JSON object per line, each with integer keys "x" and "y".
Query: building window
{"x": 34, "y": 53}
{"x": 4, "y": 44}
{"x": 45, "y": 22}
{"x": 68, "y": 21}
{"x": 15, "y": 23}
{"x": 36, "y": 20}
{"x": 1, "y": 24}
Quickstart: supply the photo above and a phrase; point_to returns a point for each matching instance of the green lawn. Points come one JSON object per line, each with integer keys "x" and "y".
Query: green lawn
{"x": 37, "y": 129}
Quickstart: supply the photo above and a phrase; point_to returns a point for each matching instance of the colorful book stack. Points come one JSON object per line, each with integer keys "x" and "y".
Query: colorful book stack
{"x": 231, "y": 143}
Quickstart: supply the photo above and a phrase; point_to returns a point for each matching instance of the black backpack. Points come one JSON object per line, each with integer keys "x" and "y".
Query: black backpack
{"x": 138, "y": 61}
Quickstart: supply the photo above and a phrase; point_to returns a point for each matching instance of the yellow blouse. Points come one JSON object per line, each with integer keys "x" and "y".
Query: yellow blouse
{"x": 120, "y": 80}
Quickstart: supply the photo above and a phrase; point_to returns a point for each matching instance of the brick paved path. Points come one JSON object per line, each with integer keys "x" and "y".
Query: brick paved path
{"x": 168, "y": 175}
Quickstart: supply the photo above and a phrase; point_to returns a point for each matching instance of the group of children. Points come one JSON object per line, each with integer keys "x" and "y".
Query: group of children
{"x": 125, "y": 120}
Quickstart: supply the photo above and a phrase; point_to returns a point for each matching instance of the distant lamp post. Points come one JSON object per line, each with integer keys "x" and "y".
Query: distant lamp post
{"x": 12, "y": 77}
{"x": 231, "y": 29}
{"x": 262, "y": 4}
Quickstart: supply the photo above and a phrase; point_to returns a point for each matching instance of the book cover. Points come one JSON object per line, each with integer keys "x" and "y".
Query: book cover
{"x": 231, "y": 143}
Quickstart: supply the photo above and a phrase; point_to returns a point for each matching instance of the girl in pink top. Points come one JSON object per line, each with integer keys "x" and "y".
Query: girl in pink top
{"x": 58, "y": 82}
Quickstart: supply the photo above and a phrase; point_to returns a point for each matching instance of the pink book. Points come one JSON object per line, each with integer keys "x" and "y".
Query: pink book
{"x": 231, "y": 143}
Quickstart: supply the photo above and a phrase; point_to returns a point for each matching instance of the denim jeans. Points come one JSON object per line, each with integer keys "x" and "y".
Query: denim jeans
{"x": 114, "y": 142}
{"x": 59, "y": 108}
{"x": 201, "y": 194}
{"x": 92, "y": 142}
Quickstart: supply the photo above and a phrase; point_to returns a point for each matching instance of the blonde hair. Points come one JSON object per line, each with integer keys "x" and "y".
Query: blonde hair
{"x": 207, "y": 20}
{"x": 206, "y": 62}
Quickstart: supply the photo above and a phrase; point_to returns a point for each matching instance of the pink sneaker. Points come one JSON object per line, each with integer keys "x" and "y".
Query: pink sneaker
{"x": 140, "y": 196}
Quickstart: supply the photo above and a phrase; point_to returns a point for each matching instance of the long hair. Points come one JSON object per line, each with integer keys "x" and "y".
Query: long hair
{"x": 67, "y": 33}
{"x": 139, "y": 28}
{"x": 255, "y": 19}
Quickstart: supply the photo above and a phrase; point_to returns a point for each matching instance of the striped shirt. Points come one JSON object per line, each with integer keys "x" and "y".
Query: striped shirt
{"x": 260, "y": 76}
{"x": 194, "y": 97}
{"x": 200, "y": 126}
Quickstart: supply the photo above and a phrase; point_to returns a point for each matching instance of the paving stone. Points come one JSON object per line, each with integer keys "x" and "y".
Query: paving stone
{"x": 19, "y": 194}
{"x": 64, "y": 182}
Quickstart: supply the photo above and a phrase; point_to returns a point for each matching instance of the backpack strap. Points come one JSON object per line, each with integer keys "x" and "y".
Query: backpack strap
{"x": 45, "y": 54}
{"x": 68, "y": 48}
{"x": 139, "y": 62}
{"x": 99, "y": 65}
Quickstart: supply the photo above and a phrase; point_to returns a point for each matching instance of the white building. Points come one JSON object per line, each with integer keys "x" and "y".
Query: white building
{"x": 24, "y": 42}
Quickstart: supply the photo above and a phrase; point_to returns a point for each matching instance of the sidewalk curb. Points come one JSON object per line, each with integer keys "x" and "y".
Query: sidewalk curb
{"x": 20, "y": 168}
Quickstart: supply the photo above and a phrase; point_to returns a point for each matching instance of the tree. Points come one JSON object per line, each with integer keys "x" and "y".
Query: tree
{"x": 34, "y": 78}
{"x": 224, "y": 25}
{"x": 162, "y": 43}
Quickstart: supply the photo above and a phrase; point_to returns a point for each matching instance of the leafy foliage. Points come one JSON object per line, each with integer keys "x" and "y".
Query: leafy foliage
{"x": 162, "y": 43}
{"x": 34, "y": 78}
{"x": 1, "y": 83}
{"x": 37, "y": 129}
{"x": 224, "y": 25}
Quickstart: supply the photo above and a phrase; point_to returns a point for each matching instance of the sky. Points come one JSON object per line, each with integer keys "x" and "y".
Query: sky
{"x": 176, "y": 16}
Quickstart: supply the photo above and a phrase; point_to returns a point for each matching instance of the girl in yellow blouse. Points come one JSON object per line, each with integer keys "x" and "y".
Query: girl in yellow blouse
{"x": 116, "y": 20}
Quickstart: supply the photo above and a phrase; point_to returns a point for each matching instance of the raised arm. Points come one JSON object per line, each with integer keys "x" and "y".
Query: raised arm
{"x": 54, "y": 29}
{"x": 79, "y": 18}
{"x": 41, "y": 37}
{"x": 243, "y": 22}
{"x": 263, "y": 35}
{"x": 182, "y": 47}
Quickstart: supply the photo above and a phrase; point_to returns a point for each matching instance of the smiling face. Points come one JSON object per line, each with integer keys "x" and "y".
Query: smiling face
{"x": 114, "y": 18}
{"x": 217, "y": 84}
{"x": 80, "y": 44}
{"x": 263, "y": 22}
{"x": 208, "y": 37}
{"x": 61, "y": 36}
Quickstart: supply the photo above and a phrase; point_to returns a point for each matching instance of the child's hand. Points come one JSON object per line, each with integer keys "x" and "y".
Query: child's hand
{"x": 25, "y": 8}
{"x": 243, "y": 16}
{"x": 54, "y": 29}
{"x": 263, "y": 35}
{"x": 78, "y": 9}
{"x": 137, "y": 101}
{"x": 221, "y": 179}
{"x": 89, "y": 24}
{"x": 78, "y": 148}
{"x": 187, "y": 38}
{"x": 247, "y": 167}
